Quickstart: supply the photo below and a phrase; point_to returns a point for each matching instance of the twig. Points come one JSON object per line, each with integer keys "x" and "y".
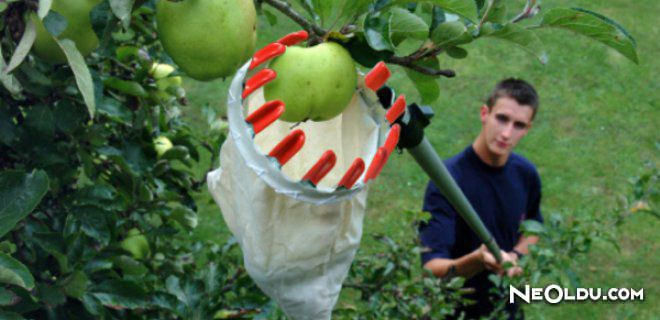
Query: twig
{"x": 486, "y": 13}
{"x": 285, "y": 8}
{"x": 527, "y": 12}
{"x": 410, "y": 63}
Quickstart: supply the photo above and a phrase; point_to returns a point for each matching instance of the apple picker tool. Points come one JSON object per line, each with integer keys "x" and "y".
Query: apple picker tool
{"x": 295, "y": 198}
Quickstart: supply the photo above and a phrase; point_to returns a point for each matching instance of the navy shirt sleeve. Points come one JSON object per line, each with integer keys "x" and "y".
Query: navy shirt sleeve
{"x": 438, "y": 235}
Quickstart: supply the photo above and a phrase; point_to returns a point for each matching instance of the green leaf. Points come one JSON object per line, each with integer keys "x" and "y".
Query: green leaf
{"x": 403, "y": 25}
{"x": 80, "y": 72}
{"x": 376, "y": 32}
{"x": 335, "y": 14}
{"x": 51, "y": 295}
{"x": 464, "y": 8}
{"x": 20, "y": 193}
{"x": 451, "y": 34}
{"x": 594, "y": 26}
{"x": 55, "y": 23}
{"x": 456, "y": 52}
{"x": 14, "y": 272}
{"x": 95, "y": 222}
{"x": 532, "y": 227}
{"x": 527, "y": 39}
{"x": 9, "y": 81}
{"x": 122, "y": 10}
{"x": 44, "y": 8}
{"x": 427, "y": 86}
{"x": 23, "y": 48}
{"x": 124, "y": 86}
{"x": 184, "y": 216}
{"x": 120, "y": 294}
{"x": 7, "y": 315}
{"x": 75, "y": 285}
{"x": 498, "y": 12}
{"x": 363, "y": 53}
{"x": 6, "y": 297}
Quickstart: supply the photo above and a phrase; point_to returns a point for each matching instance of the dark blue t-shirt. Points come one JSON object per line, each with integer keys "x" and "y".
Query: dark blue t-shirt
{"x": 502, "y": 196}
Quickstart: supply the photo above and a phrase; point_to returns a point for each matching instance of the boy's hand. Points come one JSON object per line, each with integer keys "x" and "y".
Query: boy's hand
{"x": 491, "y": 263}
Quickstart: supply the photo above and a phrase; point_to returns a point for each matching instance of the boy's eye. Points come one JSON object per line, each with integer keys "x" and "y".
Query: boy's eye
{"x": 502, "y": 118}
{"x": 519, "y": 125}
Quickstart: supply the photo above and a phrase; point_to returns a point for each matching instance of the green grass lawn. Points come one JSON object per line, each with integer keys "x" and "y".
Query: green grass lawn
{"x": 594, "y": 131}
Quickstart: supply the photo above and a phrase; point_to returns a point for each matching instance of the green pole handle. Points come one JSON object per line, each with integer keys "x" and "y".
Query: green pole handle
{"x": 431, "y": 163}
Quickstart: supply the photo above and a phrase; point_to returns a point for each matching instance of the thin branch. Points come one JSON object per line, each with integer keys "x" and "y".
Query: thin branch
{"x": 486, "y": 13}
{"x": 410, "y": 63}
{"x": 527, "y": 12}
{"x": 285, "y": 8}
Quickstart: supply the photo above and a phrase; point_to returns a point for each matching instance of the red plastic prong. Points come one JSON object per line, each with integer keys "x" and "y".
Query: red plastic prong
{"x": 266, "y": 53}
{"x": 256, "y": 81}
{"x": 397, "y": 109}
{"x": 377, "y": 77}
{"x": 321, "y": 167}
{"x": 265, "y": 115}
{"x": 352, "y": 174}
{"x": 392, "y": 138}
{"x": 293, "y": 38}
{"x": 288, "y": 147}
{"x": 377, "y": 164}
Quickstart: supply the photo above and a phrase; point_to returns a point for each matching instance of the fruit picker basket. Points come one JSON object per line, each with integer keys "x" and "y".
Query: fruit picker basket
{"x": 294, "y": 195}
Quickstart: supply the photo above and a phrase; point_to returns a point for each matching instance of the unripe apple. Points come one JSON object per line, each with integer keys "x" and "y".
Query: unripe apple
{"x": 208, "y": 39}
{"x": 314, "y": 83}
{"x": 78, "y": 28}
{"x": 162, "y": 144}
{"x": 136, "y": 244}
{"x": 160, "y": 70}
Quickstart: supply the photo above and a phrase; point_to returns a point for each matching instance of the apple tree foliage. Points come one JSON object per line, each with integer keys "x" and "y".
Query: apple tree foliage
{"x": 95, "y": 223}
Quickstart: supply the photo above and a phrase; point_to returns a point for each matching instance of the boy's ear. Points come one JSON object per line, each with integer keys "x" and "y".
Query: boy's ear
{"x": 483, "y": 112}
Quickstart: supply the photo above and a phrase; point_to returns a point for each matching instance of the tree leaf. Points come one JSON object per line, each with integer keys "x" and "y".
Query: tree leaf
{"x": 8, "y": 80}
{"x": 376, "y": 32}
{"x": 75, "y": 284}
{"x": 20, "y": 193}
{"x": 55, "y": 23}
{"x": 451, "y": 34}
{"x": 464, "y": 8}
{"x": 532, "y": 227}
{"x": 335, "y": 14}
{"x": 124, "y": 86}
{"x": 7, "y": 315}
{"x": 456, "y": 52}
{"x": 80, "y": 72}
{"x": 14, "y": 272}
{"x": 23, "y": 47}
{"x": 44, "y": 7}
{"x": 498, "y": 12}
{"x": 403, "y": 25}
{"x": 120, "y": 294}
{"x": 122, "y": 10}
{"x": 363, "y": 53}
{"x": 518, "y": 35}
{"x": 594, "y": 26}
{"x": 426, "y": 85}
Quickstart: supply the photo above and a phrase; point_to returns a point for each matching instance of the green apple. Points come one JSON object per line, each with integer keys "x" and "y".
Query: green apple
{"x": 315, "y": 83}
{"x": 208, "y": 39}
{"x": 136, "y": 244}
{"x": 78, "y": 29}
{"x": 160, "y": 70}
{"x": 162, "y": 144}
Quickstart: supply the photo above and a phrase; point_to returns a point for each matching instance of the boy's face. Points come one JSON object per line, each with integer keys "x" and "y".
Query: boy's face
{"x": 504, "y": 125}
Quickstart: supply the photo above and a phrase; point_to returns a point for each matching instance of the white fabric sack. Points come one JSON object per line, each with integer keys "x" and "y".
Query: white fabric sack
{"x": 298, "y": 242}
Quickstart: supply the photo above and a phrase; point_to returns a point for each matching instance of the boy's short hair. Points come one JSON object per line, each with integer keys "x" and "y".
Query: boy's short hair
{"x": 516, "y": 89}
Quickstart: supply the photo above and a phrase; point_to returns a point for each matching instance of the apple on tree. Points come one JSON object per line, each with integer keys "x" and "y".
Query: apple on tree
{"x": 208, "y": 39}
{"x": 136, "y": 244}
{"x": 315, "y": 83}
{"x": 78, "y": 29}
{"x": 162, "y": 144}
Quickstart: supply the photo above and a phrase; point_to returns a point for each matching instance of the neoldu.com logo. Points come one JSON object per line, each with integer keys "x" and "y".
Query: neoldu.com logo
{"x": 555, "y": 294}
